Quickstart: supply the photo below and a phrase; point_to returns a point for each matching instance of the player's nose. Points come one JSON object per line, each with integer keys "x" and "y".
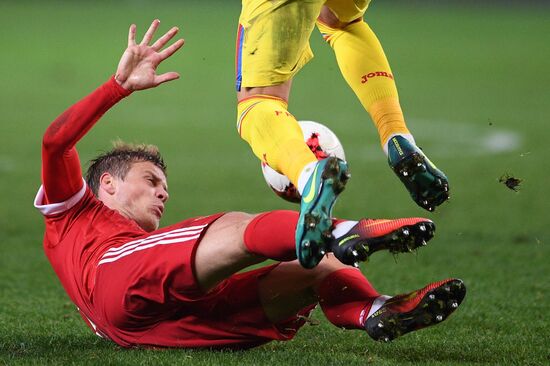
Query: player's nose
{"x": 162, "y": 194}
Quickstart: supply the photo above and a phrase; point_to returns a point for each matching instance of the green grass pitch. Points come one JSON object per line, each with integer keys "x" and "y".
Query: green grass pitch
{"x": 474, "y": 85}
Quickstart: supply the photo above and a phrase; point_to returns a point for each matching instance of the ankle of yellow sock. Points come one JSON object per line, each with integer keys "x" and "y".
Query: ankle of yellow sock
{"x": 294, "y": 155}
{"x": 388, "y": 118}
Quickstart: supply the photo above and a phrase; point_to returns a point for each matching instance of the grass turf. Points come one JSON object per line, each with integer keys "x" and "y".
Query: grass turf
{"x": 475, "y": 92}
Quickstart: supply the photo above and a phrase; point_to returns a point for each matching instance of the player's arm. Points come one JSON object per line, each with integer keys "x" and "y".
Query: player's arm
{"x": 61, "y": 170}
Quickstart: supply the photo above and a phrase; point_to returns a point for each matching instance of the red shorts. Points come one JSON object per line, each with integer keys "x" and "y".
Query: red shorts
{"x": 146, "y": 294}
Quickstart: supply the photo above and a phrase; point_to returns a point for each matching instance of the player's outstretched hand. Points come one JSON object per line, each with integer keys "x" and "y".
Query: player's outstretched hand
{"x": 137, "y": 67}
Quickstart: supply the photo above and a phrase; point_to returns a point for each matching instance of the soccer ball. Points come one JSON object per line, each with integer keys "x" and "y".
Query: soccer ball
{"x": 322, "y": 142}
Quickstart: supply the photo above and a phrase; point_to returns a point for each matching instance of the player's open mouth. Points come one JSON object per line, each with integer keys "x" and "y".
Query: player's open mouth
{"x": 158, "y": 210}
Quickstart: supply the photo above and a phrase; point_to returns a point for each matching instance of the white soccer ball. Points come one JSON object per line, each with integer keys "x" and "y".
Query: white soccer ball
{"x": 322, "y": 142}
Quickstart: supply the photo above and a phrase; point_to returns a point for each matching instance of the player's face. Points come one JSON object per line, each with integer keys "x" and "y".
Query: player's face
{"x": 142, "y": 194}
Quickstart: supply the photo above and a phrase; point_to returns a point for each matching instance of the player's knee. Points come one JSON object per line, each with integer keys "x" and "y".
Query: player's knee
{"x": 239, "y": 219}
{"x": 328, "y": 18}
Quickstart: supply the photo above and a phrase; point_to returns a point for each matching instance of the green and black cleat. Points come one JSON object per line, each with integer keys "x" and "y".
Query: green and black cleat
{"x": 314, "y": 227}
{"x": 427, "y": 185}
{"x": 419, "y": 309}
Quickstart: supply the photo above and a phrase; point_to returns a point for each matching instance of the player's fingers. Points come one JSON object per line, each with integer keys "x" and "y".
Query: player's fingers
{"x": 150, "y": 32}
{"x": 159, "y": 79}
{"x": 132, "y": 35}
{"x": 169, "y": 51}
{"x": 157, "y": 46}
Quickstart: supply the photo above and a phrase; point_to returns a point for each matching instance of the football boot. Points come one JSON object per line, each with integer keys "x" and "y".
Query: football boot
{"x": 405, "y": 313}
{"x": 427, "y": 185}
{"x": 370, "y": 235}
{"x": 314, "y": 227}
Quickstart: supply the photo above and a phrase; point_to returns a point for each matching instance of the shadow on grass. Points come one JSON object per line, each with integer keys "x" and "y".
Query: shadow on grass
{"x": 86, "y": 349}
{"x": 53, "y": 348}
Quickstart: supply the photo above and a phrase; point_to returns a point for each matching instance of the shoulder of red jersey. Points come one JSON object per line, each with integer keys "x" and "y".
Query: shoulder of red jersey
{"x": 57, "y": 208}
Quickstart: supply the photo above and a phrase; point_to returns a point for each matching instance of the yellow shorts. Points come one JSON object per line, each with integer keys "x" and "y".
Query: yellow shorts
{"x": 273, "y": 37}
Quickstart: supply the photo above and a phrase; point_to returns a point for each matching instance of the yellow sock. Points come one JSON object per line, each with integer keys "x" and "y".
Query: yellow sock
{"x": 364, "y": 66}
{"x": 274, "y": 135}
{"x": 388, "y": 118}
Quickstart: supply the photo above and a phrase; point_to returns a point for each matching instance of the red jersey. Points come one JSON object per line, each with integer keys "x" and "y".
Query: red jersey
{"x": 82, "y": 234}
{"x": 78, "y": 232}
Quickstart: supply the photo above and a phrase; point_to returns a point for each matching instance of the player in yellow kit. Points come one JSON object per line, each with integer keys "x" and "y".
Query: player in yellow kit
{"x": 272, "y": 46}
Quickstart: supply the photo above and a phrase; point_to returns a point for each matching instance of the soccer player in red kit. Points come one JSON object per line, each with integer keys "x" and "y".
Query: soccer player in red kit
{"x": 138, "y": 285}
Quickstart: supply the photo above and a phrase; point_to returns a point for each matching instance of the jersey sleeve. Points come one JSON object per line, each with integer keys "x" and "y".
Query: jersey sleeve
{"x": 48, "y": 209}
{"x": 61, "y": 170}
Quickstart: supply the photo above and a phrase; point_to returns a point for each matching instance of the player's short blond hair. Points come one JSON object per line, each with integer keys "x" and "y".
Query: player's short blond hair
{"x": 119, "y": 160}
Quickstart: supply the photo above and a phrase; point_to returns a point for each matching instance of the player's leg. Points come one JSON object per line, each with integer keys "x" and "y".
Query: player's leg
{"x": 272, "y": 46}
{"x": 222, "y": 252}
{"x": 349, "y": 301}
{"x": 365, "y": 67}
{"x": 237, "y": 240}
{"x": 288, "y": 288}
{"x": 342, "y": 291}
{"x": 272, "y": 132}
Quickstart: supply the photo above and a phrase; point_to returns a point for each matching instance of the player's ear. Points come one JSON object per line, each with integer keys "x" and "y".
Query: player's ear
{"x": 107, "y": 183}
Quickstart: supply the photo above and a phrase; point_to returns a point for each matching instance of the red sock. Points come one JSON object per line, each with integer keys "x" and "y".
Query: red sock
{"x": 271, "y": 235}
{"x": 346, "y": 296}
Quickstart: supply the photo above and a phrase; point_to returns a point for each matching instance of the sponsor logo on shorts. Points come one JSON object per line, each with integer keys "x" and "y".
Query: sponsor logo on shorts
{"x": 371, "y": 75}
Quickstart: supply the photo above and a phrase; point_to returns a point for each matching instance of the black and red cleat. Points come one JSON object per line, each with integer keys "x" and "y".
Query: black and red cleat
{"x": 371, "y": 235}
{"x": 405, "y": 313}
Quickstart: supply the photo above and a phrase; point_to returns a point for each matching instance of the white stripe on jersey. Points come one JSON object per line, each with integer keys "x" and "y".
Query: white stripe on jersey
{"x": 169, "y": 237}
{"x": 133, "y": 244}
{"x": 158, "y": 236}
{"x": 152, "y": 237}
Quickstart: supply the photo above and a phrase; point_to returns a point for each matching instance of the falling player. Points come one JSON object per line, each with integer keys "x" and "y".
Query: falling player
{"x": 178, "y": 286}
